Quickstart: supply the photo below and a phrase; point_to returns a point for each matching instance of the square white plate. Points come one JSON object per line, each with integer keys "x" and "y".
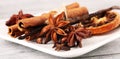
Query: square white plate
{"x": 89, "y": 44}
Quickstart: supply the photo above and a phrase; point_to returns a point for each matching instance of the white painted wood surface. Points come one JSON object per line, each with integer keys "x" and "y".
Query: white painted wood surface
{"x": 9, "y": 50}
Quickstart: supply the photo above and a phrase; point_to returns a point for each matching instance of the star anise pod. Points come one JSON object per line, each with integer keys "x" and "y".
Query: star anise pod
{"x": 14, "y": 18}
{"x": 54, "y": 28}
{"x": 75, "y": 36}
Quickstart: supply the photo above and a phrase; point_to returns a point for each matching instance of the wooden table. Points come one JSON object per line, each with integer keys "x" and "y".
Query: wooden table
{"x": 9, "y": 50}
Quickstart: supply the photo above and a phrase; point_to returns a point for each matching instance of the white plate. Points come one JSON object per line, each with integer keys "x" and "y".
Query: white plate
{"x": 89, "y": 44}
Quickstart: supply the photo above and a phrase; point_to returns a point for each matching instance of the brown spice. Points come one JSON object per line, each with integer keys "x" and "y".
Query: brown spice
{"x": 62, "y": 47}
{"x": 67, "y": 38}
{"x": 53, "y": 29}
{"x": 95, "y": 21}
{"x": 31, "y": 31}
{"x": 14, "y": 18}
{"x": 86, "y": 19}
{"x": 39, "y": 40}
{"x": 75, "y": 36}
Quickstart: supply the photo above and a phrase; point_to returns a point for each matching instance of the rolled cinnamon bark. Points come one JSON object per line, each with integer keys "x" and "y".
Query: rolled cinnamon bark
{"x": 73, "y": 5}
{"x": 34, "y": 21}
{"x": 77, "y": 12}
{"x": 13, "y": 31}
{"x": 32, "y": 31}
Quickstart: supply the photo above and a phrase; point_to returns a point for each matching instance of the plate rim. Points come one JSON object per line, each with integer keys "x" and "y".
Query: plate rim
{"x": 56, "y": 53}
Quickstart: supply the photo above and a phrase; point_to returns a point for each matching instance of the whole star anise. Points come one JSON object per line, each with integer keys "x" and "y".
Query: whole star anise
{"x": 74, "y": 38}
{"x": 54, "y": 28}
{"x": 14, "y": 18}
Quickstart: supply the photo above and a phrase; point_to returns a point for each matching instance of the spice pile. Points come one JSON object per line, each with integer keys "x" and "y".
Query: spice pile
{"x": 65, "y": 30}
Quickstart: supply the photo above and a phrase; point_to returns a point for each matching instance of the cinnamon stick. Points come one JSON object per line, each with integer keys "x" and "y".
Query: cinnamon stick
{"x": 13, "y": 31}
{"x": 33, "y": 31}
{"x": 34, "y": 21}
{"x": 77, "y": 12}
{"x": 73, "y": 5}
{"x": 38, "y": 20}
